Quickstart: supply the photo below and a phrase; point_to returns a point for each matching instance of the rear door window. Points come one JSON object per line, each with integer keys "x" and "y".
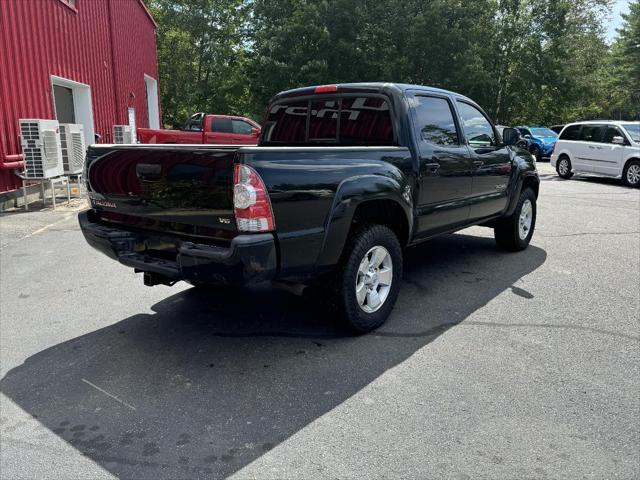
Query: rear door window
{"x": 434, "y": 119}
{"x": 592, "y": 133}
{"x": 572, "y": 132}
{"x": 340, "y": 120}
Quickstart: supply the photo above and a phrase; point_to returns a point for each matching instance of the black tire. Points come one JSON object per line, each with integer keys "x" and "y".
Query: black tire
{"x": 563, "y": 167}
{"x": 535, "y": 151}
{"x": 508, "y": 234}
{"x": 631, "y": 174}
{"x": 363, "y": 239}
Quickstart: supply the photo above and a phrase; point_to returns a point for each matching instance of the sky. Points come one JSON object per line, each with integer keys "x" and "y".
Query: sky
{"x": 619, "y": 7}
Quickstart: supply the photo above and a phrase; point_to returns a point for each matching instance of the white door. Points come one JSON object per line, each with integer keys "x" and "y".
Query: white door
{"x": 607, "y": 156}
{"x": 587, "y": 154}
{"x": 153, "y": 112}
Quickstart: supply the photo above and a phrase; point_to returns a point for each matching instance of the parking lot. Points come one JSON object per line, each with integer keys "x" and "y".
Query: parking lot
{"x": 492, "y": 365}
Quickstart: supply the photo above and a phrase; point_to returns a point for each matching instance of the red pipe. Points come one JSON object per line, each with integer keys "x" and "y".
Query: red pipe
{"x": 12, "y": 162}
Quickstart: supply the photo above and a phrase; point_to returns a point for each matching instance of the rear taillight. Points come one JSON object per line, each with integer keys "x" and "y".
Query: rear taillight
{"x": 251, "y": 204}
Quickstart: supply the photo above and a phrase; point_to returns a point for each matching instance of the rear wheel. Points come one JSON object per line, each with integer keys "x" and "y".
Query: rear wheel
{"x": 514, "y": 232}
{"x": 631, "y": 174}
{"x": 563, "y": 167}
{"x": 369, "y": 278}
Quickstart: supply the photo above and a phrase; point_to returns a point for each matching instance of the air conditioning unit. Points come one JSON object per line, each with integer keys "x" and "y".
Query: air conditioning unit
{"x": 41, "y": 147}
{"x": 122, "y": 134}
{"x": 73, "y": 148}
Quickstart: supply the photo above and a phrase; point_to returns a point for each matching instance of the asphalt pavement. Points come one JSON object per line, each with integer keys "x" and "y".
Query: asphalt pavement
{"x": 492, "y": 365}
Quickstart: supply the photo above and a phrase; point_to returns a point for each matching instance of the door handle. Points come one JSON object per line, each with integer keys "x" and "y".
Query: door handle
{"x": 433, "y": 167}
{"x": 478, "y": 163}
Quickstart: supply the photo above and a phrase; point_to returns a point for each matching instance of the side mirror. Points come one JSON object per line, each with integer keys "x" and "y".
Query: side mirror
{"x": 528, "y": 137}
{"x": 255, "y": 132}
{"x": 618, "y": 140}
{"x": 510, "y": 136}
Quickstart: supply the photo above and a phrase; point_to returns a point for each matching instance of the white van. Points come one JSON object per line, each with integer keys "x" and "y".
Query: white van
{"x": 605, "y": 148}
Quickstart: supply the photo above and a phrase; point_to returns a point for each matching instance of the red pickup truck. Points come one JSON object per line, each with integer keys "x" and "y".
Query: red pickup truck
{"x": 202, "y": 128}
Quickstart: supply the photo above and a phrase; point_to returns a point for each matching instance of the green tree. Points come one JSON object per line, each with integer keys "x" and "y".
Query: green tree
{"x": 549, "y": 56}
{"x": 524, "y": 61}
{"x": 623, "y": 82}
{"x": 201, "y": 57}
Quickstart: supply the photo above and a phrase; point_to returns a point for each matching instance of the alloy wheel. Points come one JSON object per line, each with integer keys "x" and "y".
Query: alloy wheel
{"x": 563, "y": 167}
{"x": 633, "y": 175}
{"x": 373, "y": 282}
{"x": 525, "y": 220}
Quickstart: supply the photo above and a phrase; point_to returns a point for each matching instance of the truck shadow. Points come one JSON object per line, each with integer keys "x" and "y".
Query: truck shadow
{"x": 210, "y": 382}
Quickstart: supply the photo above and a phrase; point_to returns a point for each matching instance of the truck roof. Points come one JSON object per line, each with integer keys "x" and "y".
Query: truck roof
{"x": 371, "y": 87}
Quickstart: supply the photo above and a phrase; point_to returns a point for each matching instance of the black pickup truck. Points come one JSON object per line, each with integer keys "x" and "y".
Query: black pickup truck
{"x": 343, "y": 179}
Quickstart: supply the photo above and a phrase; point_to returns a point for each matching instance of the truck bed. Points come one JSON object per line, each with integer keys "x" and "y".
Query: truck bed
{"x": 186, "y": 190}
{"x": 178, "y": 189}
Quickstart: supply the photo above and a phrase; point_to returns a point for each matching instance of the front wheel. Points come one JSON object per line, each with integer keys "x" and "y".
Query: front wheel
{"x": 563, "y": 167}
{"x": 369, "y": 279}
{"x": 514, "y": 232}
{"x": 631, "y": 174}
{"x": 535, "y": 151}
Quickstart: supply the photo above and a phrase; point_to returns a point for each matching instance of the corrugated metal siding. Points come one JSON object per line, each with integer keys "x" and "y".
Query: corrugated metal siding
{"x": 40, "y": 38}
{"x": 134, "y": 52}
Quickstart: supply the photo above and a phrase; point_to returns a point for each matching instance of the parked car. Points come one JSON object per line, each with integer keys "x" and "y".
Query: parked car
{"x": 557, "y": 128}
{"x": 344, "y": 178}
{"x": 541, "y": 140}
{"x": 203, "y": 128}
{"x": 605, "y": 148}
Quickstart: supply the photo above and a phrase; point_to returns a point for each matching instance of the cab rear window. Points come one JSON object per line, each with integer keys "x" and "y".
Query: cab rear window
{"x": 337, "y": 120}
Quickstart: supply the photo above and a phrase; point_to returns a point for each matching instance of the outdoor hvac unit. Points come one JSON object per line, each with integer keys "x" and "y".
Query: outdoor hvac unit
{"x": 41, "y": 147}
{"x": 73, "y": 148}
{"x": 122, "y": 134}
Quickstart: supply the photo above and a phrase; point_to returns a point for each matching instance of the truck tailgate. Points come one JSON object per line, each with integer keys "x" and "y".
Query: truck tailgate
{"x": 184, "y": 190}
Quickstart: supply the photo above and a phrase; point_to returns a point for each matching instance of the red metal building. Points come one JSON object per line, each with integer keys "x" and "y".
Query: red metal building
{"x": 80, "y": 61}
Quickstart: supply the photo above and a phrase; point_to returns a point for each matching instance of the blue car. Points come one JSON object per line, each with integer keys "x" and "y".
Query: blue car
{"x": 541, "y": 140}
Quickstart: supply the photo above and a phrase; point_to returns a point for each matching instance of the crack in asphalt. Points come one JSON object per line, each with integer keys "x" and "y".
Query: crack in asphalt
{"x": 590, "y": 194}
{"x": 429, "y": 332}
{"x": 551, "y": 325}
{"x": 587, "y": 233}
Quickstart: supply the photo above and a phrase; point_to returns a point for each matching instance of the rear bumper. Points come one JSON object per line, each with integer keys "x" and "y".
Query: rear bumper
{"x": 248, "y": 259}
